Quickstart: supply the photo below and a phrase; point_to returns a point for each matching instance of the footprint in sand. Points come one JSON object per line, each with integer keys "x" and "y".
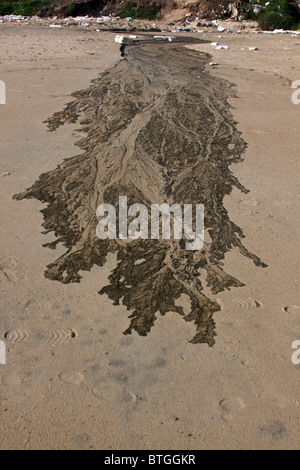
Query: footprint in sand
{"x": 129, "y": 397}
{"x": 247, "y": 304}
{"x": 99, "y": 392}
{"x": 109, "y": 392}
{"x": 45, "y": 337}
{"x": 72, "y": 378}
{"x": 11, "y": 268}
{"x": 11, "y": 379}
{"x": 276, "y": 429}
{"x": 243, "y": 304}
{"x": 82, "y": 440}
{"x": 106, "y": 390}
{"x": 60, "y": 337}
{"x": 17, "y": 336}
{"x": 250, "y": 202}
{"x": 232, "y": 405}
{"x": 293, "y": 309}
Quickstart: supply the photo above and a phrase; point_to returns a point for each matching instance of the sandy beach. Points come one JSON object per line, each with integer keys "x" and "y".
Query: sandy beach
{"x": 72, "y": 379}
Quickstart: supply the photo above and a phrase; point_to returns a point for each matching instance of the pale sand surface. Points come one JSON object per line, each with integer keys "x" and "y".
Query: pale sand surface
{"x": 104, "y": 390}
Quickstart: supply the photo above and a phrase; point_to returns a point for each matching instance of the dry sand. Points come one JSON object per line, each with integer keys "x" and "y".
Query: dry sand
{"x": 72, "y": 380}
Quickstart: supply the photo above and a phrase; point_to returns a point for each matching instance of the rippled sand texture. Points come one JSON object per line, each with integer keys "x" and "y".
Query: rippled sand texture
{"x": 157, "y": 129}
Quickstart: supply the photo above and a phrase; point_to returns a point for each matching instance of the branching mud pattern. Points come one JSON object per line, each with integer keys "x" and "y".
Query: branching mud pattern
{"x": 157, "y": 129}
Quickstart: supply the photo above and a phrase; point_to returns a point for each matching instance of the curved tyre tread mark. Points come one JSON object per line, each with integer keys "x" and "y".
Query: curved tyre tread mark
{"x": 61, "y": 337}
{"x": 17, "y": 336}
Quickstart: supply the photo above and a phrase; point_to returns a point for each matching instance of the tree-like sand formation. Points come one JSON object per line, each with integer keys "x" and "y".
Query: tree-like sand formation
{"x": 158, "y": 129}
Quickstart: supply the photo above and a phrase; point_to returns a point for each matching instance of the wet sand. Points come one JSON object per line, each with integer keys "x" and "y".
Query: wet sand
{"x": 72, "y": 379}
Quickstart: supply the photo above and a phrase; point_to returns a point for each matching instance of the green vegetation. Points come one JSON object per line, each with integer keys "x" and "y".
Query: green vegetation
{"x": 272, "y": 14}
{"x": 147, "y": 12}
{"x": 278, "y": 14}
{"x": 71, "y": 9}
{"x": 23, "y": 7}
{"x": 247, "y": 11}
{"x": 6, "y": 8}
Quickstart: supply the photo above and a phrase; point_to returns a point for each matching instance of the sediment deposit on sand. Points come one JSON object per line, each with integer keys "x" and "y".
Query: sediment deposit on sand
{"x": 158, "y": 130}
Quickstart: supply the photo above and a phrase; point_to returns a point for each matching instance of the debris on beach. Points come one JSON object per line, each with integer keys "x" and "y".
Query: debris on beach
{"x": 165, "y": 38}
{"x": 127, "y": 40}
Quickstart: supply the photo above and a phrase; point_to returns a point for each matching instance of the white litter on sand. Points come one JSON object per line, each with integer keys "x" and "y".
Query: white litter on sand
{"x": 165, "y": 38}
{"x": 127, "y": 40}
